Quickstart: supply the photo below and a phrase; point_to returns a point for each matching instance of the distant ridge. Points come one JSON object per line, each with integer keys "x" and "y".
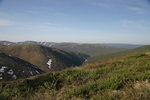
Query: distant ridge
{"x": 45, "y": 58}
{"x": 7, "y": 43}
{"x": 89, "y": 49}
{"x": 122, "y": 45}
{"x": 106, "y": 57}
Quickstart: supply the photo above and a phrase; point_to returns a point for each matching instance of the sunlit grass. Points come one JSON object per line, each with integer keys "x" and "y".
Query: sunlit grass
{"x": 122, "y": 79}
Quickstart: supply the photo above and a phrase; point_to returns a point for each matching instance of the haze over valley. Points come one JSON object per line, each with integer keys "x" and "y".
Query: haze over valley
{"x": 74, "y": 50}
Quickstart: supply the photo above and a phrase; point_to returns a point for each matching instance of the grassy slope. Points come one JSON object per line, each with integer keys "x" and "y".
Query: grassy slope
{"x": 19, "y": 67}
{"x": 125, "y": 78}
{"x": 39, "y": 56}
{"x": 118, "y": 54}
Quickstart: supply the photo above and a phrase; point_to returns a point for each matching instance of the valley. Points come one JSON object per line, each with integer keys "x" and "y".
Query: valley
{"x": 76, "y": 71}
{"x": 74, "y": 50}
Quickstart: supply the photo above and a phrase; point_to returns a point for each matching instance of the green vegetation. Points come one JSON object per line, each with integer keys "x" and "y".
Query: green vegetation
{"x": 122, "y": 45}
{"x": 106, "y": 57}
{"x": 89, "y": 49}
{"x": 121, "y": 79}
{"x": 39, "y": 56}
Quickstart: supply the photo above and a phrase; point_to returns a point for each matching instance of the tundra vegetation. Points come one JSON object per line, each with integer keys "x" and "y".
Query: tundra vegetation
{"x": 119, "y": 79}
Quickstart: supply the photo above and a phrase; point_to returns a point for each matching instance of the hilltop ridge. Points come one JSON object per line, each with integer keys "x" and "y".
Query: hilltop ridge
{"x": 45, "y": 58}
{"x": 106, "y": 57}
{"x": 85, "y": 48}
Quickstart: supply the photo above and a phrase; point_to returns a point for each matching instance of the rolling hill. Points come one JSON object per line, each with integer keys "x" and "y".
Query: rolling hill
{"x": 89, "y": 49}
{"x": 45, "y": 58}
{"x": 127, "y": 78}
{"x": 12, "y": 68}
{"x": 121, "y": 45}
{"x": 111, "y": 56}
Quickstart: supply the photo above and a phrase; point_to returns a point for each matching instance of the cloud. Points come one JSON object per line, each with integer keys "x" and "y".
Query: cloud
{"x": 32, "y": 12}
{"x": 104, "y": 5}
{"x": 127, "y": 22}
{"x": 100, "y": 3}
{"x": 5, "y": 22}
{"x": 62, "y": 14}
{"x": 137, "y": 10}
{"x": 120, "y": 3}
{"x": 46, "y": 26}
{"x": 52, "y": 24}
{"x": 141, "y": 24}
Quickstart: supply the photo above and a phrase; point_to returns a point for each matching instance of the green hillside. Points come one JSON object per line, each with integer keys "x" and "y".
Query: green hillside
{"x": 45, "y": 58}
{"x": 123, "y": 79}
{"x": 89, "y": 49}
{"x": 122, "y": 45}
{"x": 111, "y": 56}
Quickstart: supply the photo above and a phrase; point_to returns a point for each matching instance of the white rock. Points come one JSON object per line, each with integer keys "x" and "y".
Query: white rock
{"x": 45, "y": 43}
{"x": 31, "y": 73}
{"x": 14, "y": 77}
{"x": 49, "y": 63}
{"x": 10, "y": 72}
{"x": 37, "y": 72}
{"x": 2, "y": 68}
{"x": 50, "y": 45}
{"x": 9, "y": 55}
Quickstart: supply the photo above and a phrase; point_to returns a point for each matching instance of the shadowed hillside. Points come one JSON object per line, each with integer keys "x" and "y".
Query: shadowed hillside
{"x": 127, "y": 78}
{"x": 118, "y": 54}
{"x": 45, "y": 58}
{"x": 12, "y": 68}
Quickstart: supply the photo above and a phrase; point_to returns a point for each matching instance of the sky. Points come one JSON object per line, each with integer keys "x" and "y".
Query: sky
{"x": 81, "y": 21}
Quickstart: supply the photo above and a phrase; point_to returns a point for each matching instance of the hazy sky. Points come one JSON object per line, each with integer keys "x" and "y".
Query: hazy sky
{"x": 86, "y": 21}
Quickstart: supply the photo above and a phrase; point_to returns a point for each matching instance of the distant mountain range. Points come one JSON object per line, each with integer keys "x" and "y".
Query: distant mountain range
{"x": 54, "y": 44}
{"x": 90, "y": 49}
